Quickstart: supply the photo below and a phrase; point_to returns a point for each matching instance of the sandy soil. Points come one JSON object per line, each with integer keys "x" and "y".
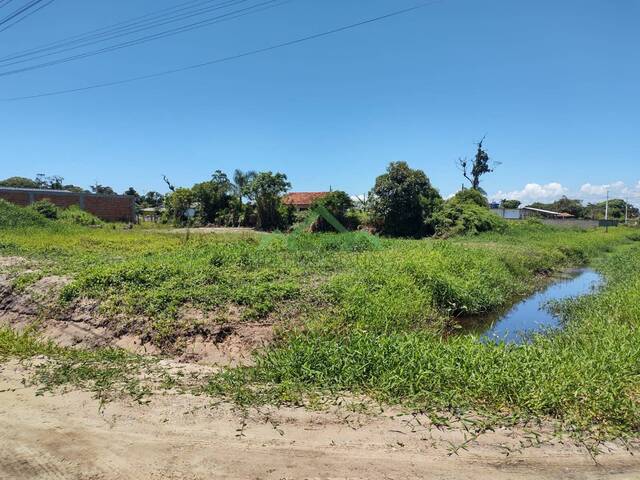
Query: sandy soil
{"x": 186, "y": 437}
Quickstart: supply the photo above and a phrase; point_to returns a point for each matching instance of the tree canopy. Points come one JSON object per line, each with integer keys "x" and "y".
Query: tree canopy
{"x": 266, "y": 190}
{"x": 403, "y": 201}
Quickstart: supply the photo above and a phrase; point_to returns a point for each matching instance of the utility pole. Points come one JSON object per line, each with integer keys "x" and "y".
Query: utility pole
{"x": 626, "y": 211}
{"x": 606, "y": 214}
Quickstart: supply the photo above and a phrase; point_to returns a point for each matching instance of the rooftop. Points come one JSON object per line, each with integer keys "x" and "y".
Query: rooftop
{"x": 302, "y": 198}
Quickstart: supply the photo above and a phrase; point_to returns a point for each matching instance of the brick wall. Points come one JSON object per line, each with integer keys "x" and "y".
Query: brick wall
{"x": 110, "y": 207}
{"x": 19, "y": 198}
{"x": 106, "y": 207}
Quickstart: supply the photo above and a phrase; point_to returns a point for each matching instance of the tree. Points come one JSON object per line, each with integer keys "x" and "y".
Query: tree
{"x": 54, "y": 182}
{"x": 616, "y": 210}
{"x": 73, "y": 188}
{"x": 403, "y": 201}
{"x": 479, "y": 167}
{"x": 19, "y": 182}
{"x": 338, "y": 203}
{"x": 563, "y": 205}
{"x": 102, "y": 189}
{"x": 152, "y": 200}
{"x": 266, "y": 189}
{"x": 132, "y": 193}
{"x": 510, "y": 203}
{"x": 178, "y": 202}
{"x": 213, "y": 196}
{"x": 241, "y": 181}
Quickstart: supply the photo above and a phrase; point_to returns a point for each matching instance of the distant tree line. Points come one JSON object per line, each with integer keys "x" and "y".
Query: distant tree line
{"x": 403, "y": 202}
{"x": 593, "y": 211}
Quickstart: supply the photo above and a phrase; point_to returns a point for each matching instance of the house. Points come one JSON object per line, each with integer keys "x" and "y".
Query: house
{"x": 302, "y": 200}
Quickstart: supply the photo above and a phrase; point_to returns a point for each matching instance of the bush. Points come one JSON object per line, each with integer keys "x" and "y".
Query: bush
{"x": 14, "y": 216}
{"x": 337, "y": 204}
{"x": 465, "y": 218}
{"x": 469, "y": 195}
{"x": 46, "y": 209}
{"x": 75, "y": 215}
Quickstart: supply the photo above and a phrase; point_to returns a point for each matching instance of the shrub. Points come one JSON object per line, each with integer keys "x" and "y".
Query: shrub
{"x": 465, "y": 218}
{"x": 75, "y": 215}
{"x": 469, "y": 195}
{"x": 338, "y": 204}
{"x": 46, "y": 209}
{"x": 14, "y": 216}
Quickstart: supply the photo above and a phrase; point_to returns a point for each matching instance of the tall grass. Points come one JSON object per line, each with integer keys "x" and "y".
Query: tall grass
{"x": 356, "y": 282}
{"x": 586, "y": 377}
{"x": 372, "y": 312}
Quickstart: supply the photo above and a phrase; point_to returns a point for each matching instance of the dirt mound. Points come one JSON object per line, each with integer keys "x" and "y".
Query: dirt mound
{"x": 211, "y": 337}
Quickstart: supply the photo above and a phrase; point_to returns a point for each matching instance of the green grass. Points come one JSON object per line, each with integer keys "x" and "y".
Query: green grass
{"x": 386, "y": 286}
{"x": 586, "y": 377}
{"x": 370, "y": 315}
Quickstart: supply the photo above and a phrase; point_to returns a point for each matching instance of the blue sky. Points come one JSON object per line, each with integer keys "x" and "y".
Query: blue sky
{"x": 554, "y": 86}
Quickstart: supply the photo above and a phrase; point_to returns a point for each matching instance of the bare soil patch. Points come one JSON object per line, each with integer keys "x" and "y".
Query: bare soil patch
{"x": 187, "y": 437}
{"x": 212, "y": 337}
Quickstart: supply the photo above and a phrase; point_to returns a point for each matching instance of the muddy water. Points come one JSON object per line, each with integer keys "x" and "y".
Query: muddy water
{"x": 532, "y": 314}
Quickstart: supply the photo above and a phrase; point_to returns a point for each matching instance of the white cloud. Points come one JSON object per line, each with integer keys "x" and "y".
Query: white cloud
{"x": 588, "y": 192}
{"x": 533, "y": 192}
{"x": 614, "y": 188}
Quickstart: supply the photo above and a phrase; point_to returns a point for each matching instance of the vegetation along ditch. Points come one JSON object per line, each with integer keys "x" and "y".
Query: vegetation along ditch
{"x": 354, "y": 315}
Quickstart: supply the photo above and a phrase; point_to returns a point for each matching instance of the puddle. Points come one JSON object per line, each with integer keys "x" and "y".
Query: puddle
{"x": 531, "y": 314}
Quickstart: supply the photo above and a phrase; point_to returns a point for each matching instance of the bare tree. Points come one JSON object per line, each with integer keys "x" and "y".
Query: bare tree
{"x": 166, "y": 180}
{"x": 478, "y": 168}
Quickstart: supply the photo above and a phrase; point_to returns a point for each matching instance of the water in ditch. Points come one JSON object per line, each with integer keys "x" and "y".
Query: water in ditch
{"x": 532, "y": 314}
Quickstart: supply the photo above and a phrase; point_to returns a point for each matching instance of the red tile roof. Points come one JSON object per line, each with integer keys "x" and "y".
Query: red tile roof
{"x": 302, "y": 199}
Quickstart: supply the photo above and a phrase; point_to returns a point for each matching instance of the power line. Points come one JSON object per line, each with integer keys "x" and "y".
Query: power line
{"x": 24, "y": 17}
{"x": 163, "y": 34}
{"x": 119, "y": 27}
{"x": 228, "y": 58}
{"x": 4, "y": 2}
{"x": 20, "y": 11}
{"x": 167, "y": 33}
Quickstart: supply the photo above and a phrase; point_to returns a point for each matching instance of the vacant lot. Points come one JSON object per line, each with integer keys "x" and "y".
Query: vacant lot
{"x": 310, "y": 318}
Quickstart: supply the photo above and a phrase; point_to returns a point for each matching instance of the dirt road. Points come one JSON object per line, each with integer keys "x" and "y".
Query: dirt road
{"x": 186, "y": 437}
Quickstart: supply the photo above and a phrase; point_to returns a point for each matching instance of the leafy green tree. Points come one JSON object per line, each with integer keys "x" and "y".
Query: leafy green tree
{"x": 73, "y": 188}
{"x": 132, "y": 193}
{"x": 563, "y": 205}
{"x": 266, "y": 190}
{"x": 403, "y": 201}
{"x": 19, "y": 182}
{"x": 338, "y": 203}
{"x": 178, "y": 203}
{"x": 510, "y": 203}
{"x": 54, "y": 182}
{"x": 213, "y": 196}
{"x": 616, "y": 210}
{"x": 102, "y": 189}
{"x": 241, "y": 181}
{"x": 152, "y": 200}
